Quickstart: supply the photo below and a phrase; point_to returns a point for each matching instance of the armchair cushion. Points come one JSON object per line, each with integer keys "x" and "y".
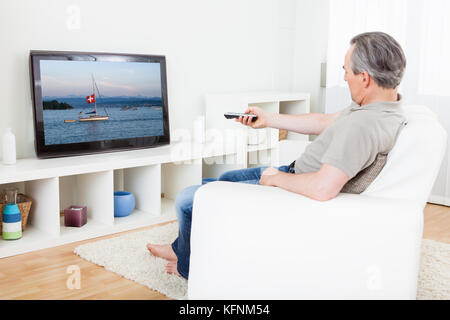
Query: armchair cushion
{"x": 414, "y": 162}
{"x": 365, "y": 177}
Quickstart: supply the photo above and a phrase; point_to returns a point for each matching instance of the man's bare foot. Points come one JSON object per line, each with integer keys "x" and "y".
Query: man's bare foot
{"x": 171, "y": 268}
{"x": 162, "y": 251}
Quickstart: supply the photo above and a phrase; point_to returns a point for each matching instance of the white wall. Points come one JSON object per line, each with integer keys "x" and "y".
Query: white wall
{"x": 311, "y": 37}
{"x": 210, "y": 46}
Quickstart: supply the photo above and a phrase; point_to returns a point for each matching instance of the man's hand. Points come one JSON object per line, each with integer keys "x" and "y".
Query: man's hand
{"x": 261, "y": 122}
{"x": 267, "y": 176}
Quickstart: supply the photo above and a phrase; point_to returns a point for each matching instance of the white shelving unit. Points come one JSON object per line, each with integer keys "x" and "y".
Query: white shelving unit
{"x": 91, "y": 180}
{"x": 55, "y": 184}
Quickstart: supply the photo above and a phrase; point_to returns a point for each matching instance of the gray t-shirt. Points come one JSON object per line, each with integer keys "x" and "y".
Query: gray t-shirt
{"x": 352, "y": 142}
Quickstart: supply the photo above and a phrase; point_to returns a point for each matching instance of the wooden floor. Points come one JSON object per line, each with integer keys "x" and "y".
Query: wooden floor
{"x": 42, "y": 274}
{"x": 437, "y": 223}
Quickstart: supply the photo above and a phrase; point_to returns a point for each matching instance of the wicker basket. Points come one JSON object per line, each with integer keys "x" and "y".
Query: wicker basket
{"x": 24, "y": 203}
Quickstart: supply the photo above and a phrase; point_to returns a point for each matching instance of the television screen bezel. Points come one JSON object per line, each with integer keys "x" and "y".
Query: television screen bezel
{"x": 72, "y": 149}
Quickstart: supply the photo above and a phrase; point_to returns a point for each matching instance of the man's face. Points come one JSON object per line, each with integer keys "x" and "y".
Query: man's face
{"x": 355, "y": 82}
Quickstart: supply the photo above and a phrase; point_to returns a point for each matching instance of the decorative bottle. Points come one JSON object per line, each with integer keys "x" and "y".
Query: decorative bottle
{"x": 9, "y": 147}
{"x": 11, "y": 220}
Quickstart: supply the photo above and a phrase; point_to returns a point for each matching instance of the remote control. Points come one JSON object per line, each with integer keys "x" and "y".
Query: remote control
{"x": 234, "y": 115}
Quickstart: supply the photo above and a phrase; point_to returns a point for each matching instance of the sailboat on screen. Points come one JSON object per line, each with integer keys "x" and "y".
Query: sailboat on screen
{"x": 93, "y": 116}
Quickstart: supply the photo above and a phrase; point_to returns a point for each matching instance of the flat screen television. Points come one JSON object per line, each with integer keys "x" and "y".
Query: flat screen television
{"x": 86, "y": 102}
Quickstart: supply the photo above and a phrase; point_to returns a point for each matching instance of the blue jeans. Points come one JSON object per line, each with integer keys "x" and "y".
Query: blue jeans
{"x": 183, "y": 205}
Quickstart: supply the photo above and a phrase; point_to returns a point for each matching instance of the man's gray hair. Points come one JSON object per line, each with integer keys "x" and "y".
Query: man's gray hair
{"x": 381, "y": 56}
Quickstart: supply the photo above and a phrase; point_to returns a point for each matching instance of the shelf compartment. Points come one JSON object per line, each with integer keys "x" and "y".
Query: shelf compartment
{"x": 144, "y": 183}
{"x": 295, "y": 107}
{"x": 94, "y": 190}
{"x": 44, "y": 211}
{"x": 43, "y": 220}
{"x": 177, "y": 176}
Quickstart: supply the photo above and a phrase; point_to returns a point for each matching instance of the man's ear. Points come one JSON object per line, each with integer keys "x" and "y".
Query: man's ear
{"x": 366, "y": 79}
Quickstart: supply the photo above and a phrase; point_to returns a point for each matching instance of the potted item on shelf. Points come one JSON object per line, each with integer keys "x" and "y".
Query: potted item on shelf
{"x": 75, "y": 216}
{"x": 124, "y": 203}
{"x": 14, "y": 210}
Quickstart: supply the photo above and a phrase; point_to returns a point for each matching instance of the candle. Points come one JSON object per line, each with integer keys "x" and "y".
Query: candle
{"x": 75, "y": 216}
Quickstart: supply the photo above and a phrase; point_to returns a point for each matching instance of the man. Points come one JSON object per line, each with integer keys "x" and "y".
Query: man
{"x": 348, "y": 141}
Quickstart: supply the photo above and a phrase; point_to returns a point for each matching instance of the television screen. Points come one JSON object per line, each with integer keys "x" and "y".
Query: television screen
{"x": 96, "y": 102}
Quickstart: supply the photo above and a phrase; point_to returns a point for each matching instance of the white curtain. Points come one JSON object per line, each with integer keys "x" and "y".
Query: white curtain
{"x": 422, "y": 28}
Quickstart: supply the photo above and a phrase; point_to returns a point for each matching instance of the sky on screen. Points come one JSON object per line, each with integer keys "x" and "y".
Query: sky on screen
{"x": 73, "y": 78}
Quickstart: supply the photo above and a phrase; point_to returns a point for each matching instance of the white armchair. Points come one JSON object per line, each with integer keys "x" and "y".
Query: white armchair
{"x": 258, "y": 242}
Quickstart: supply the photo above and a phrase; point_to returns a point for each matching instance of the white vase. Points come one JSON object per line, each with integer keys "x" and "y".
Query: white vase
{"x": 9, "y": 147}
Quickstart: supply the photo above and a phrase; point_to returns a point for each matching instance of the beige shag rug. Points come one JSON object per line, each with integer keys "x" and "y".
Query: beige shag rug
{"x": 128, "y": 256}
{"x": 434, "y": 276}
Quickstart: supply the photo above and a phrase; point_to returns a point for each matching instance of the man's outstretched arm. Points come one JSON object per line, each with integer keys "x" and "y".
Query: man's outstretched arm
{"x": 322, "y": 185}
{"x": 310, "y": 123}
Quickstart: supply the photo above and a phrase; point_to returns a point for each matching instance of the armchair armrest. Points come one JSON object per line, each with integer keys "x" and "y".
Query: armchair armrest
{"x": 259, "y": 242}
